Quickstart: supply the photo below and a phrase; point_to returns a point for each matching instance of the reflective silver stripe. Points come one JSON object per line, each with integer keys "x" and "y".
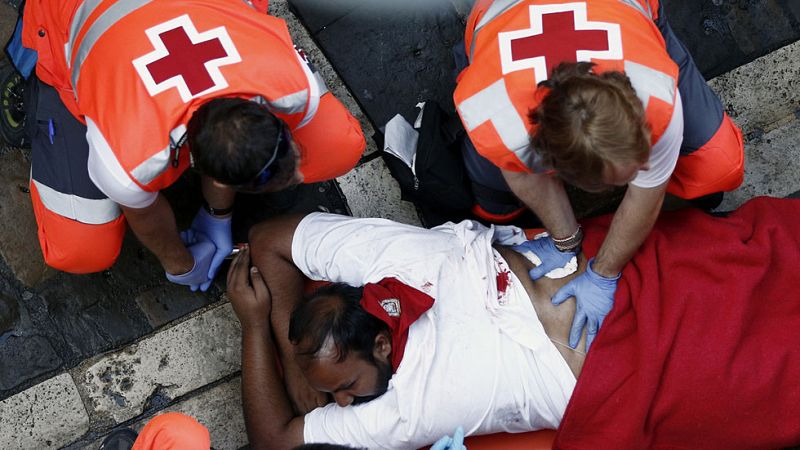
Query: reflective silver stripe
{"x": 290, "y": 104}
{"x": 494, "y": 105}
{"x": 323, "y": 88}
{"x": 84, "y": 210}
{"x": 84, "y": 11}
{"x": 155, "y": 165}
{"x": 498, "y": 7}
{"x": 639, "y": 7}
{"x": 649, "y": 82}
{"x": 106, "y": 20}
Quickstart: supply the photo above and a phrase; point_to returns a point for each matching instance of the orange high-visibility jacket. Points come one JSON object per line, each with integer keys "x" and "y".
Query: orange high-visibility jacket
{"x": 512, "y": 45}
{"x": 140, "y": 68}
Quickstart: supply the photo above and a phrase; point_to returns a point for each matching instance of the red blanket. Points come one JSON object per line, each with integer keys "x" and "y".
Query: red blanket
{"x": 702, "y": 348}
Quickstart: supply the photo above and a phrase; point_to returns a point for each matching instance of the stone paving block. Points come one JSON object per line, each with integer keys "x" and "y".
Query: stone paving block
{"x": 725, "y": 34}
{"x": 8, "y": 18}
{"x": 392, "y": 54}
{"x": 26, "y": 341}
{"x": 762, "y": 94}
{"x": 300, "y": 36}
{"x": 48, "y": 415}
{"x": 96, "y": 312}
{"x": 772, "y": 166}
{"x": 219, "y": 409}
{"x": 166, "y": 303}
{"x": 19, "y": 244}
{"x": 372, "y": 192}
{"x": 166, "y": 365}
{"x": 24, "y": 358}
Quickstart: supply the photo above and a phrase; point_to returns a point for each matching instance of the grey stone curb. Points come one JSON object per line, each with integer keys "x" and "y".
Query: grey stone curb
{"x": 48, "y": 415}
{"x": 764, "y": 94}
{"x": 119, "y": 386}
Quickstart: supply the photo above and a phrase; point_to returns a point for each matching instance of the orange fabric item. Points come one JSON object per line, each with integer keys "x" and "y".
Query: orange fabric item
{"x": 717, "y": 166}
{"x": 173, "y": 431}
{"x": 497, "y": 218}
{"x": 532, "y": 440}
{"x": 75, "y": 247}
{"x": 45, "y": 26}
{"x": 331, "y": 144}
{"x": 160, "y": 61}
{"x": 261, "y": 5}
{"x": 514, "y": 51}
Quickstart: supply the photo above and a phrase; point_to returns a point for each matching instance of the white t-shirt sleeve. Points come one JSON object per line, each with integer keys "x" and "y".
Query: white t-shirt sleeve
{"x": 108, "y": 175}
{"x": 358, "y": 251}
{"x": 664, "y": 154}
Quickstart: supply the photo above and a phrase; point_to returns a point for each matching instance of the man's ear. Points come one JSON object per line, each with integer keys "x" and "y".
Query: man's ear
{"x": 383, "y": 346}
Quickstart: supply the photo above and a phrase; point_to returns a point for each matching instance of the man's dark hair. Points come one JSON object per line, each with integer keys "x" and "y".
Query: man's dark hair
{"x": 334, "y": 311}
{"x": 232, "y": 138}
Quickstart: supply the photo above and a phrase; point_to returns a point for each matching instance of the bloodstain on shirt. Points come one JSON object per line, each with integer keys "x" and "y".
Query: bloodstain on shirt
{"x": 503, "y": 280}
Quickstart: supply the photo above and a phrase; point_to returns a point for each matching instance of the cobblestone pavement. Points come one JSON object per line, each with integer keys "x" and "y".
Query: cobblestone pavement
{"x": 80, "y": 355}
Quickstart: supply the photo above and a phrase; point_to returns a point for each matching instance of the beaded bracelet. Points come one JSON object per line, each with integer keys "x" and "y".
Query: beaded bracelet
{"x": 570, "y": 243}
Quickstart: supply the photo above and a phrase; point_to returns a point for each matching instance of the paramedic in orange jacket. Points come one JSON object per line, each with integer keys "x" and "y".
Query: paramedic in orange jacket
{"x": 597, "y": 93}
{"x": 157, "y": 86}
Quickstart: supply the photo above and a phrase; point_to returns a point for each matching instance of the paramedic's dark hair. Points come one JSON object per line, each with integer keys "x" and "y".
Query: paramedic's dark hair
{"x": 335, "y": 311}
{"x": 232, "y": 138}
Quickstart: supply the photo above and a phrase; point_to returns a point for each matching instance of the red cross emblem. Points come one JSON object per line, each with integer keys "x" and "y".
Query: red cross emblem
{"x": 186, "y": 59}
{"x": 558, "y": 33}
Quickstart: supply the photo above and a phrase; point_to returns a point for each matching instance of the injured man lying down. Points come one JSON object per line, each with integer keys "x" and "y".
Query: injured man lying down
{"x": 423, "y": 331}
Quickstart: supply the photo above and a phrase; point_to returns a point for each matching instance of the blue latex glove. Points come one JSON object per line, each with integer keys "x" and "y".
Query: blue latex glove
{"x": 451, "y": 443}
{"x": 546, "y": 250}
{"x": 218, "y": 231}
{"x": 594, "y": 295}
{"x": 202, "y": 251}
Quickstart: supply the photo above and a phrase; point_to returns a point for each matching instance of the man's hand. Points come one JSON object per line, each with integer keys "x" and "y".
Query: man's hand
{"x": 248, "y": 293}
{"x": 201, "y": 250}
{"x": 594, "y": 296}
{"x": 218, "y": 232}
{"x": 252, "y": 304}
{"x": 549, "y": 256}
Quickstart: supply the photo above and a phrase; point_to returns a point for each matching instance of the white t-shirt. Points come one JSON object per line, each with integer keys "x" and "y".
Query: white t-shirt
{"x": 107, "y": 173}
{"x": 664, "y": 154}
{"x": 477, "y": 358}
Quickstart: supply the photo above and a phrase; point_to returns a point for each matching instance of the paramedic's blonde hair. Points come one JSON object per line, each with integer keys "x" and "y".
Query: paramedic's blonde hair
{"x": 587, "y": 121}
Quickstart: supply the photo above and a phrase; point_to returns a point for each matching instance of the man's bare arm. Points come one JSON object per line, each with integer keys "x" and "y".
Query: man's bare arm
{"x": 632, "y": 223}
{"x": 544, "y": 195}
{"x": 271, "y": 244}
{"x": 271, "y": 424}
{"x": 155, "y": 227}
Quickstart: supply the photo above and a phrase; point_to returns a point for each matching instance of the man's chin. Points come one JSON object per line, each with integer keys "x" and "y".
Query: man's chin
{"x": 384, "y": 375}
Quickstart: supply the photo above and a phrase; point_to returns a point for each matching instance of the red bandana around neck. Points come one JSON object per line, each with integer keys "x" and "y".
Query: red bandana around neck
{"x": 398, "y": 305}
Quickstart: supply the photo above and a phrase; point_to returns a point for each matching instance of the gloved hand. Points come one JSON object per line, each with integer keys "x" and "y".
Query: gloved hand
{"x": 218, "y": 231}
{"x": 551, "y": 258}
{"x": 594, "y": 295}
{"x": 451, "y": 443}
{"x": 202, "y": 251}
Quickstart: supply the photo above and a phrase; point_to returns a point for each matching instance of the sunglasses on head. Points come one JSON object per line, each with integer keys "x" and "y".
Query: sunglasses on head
{"x": 272, "y": 166}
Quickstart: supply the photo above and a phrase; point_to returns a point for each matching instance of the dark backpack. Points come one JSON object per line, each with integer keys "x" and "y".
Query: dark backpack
{"x": 440, "y": 188}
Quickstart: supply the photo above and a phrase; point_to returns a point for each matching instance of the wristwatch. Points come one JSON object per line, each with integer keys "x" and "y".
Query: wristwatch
{"x": 217, "y": 211}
